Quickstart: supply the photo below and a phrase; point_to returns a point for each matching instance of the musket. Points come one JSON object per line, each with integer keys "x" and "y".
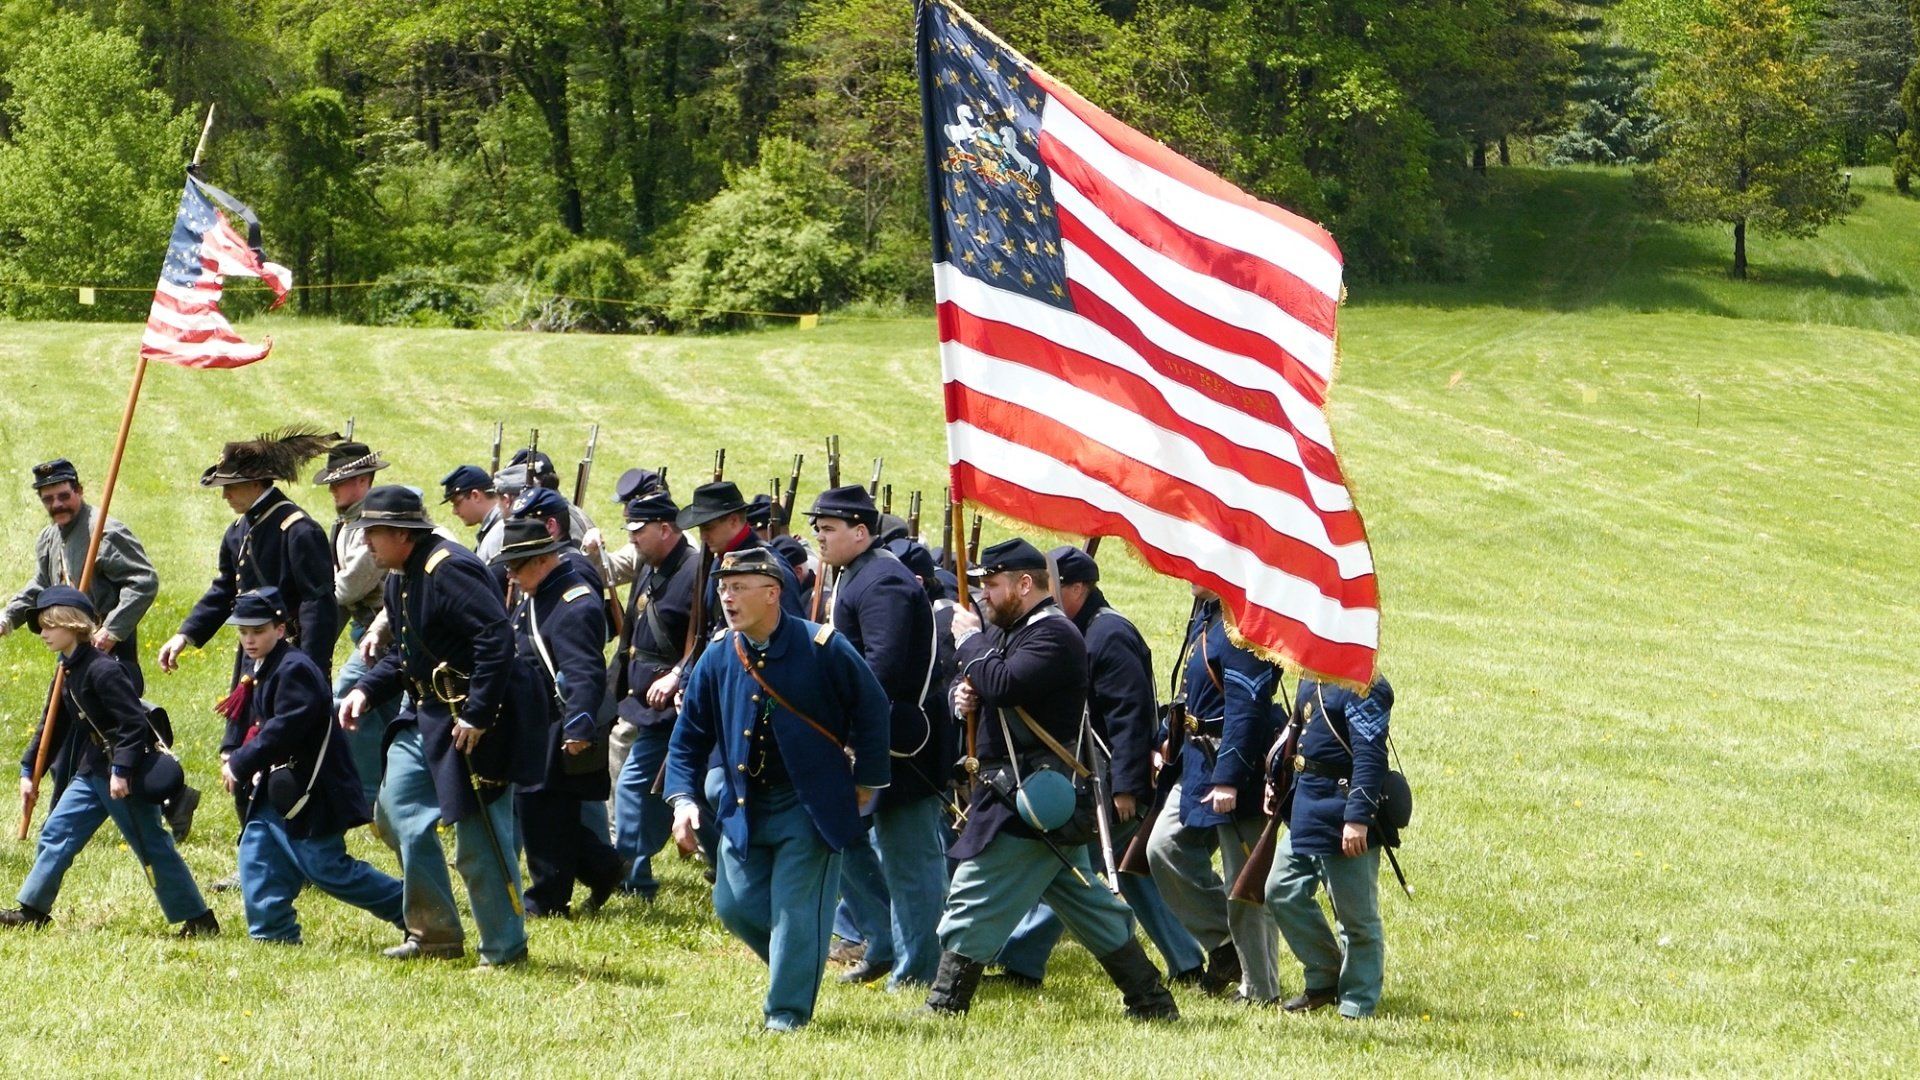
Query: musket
{"x": 833, "y": 461}
{"x": 1250, "y": 885}
{"x": 947, "y": 518}
{"x": 1096, "y": 769}
{"x": 349, "y": 435}
{"x": 873, "y": 486}
{"x": 719, "y": 464}
{"x": 913, "y": 516}
{"x": 973, "y": 542}
{"x": 792, "y": 492}
{"x": 1093, "y": 546}
{"x": 662, "y": 472}
{"x": 886, "y": 498}
{"x": 1135, "y": 860}
{"x": 533, "y": 440}
{"x": 697, "y": 617}
{"x": 586, "y": 467}
{"x": 499, "y": 432}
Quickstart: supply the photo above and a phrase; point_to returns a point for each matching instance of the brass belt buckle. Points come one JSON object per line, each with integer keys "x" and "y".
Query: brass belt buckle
{"x": 1299, "y": 763}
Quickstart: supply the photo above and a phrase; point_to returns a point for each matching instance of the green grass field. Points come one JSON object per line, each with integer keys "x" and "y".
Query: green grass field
{"x": 1645, "y": 538}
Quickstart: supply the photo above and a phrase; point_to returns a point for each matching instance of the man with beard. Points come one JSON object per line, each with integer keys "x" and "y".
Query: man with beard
{"x": 1023, "y": 684}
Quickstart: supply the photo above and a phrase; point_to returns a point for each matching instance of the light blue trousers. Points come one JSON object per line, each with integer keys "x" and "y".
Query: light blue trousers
{"x": 1355, "y": 963}
{"x": 275, "y": 867}
{"x": 777, "y": 896}
{"x": 83, "y": 807}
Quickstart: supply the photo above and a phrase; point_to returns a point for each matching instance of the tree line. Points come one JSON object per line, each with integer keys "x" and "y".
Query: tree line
{"x": 621, "y": 164}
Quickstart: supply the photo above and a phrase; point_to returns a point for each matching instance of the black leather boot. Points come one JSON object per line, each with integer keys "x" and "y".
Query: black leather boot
{"x": 953, "y": 985}
{"x": 1223, "y": 971}
{"x": 25, "y": 916}
{"x": 204, "y": 925}
{"x": 1139, "y": 982}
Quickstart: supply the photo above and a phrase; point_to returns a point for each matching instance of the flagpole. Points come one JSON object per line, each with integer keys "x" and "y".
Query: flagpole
{"x": 93, "y": 545}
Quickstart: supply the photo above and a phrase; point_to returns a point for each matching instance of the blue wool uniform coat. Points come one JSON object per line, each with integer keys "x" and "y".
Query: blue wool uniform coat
{"x": 1120, "y": 695}
{"x": 444, "y": 608}
{"x": 1230, "y": 694}
{"x": 573, "y": 626}
{"x": 291, "y": 705}
{"x": 818, "y": 672}
{"x": 658, "y": 610}
{"x": 1332, "y": 720}
{"x": 274, "y": 543}
{"x": 885, "y": 613}
{"x": 99, "y": 690}
{"x": 1041, "y": 665}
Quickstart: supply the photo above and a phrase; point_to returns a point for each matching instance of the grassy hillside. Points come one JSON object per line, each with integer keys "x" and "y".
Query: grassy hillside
{"x": 1644, "y": 538}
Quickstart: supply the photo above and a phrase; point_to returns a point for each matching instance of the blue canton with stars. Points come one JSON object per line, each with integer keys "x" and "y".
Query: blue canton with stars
{"x": 993, "y": 218}
{"x": 197, "y": 215}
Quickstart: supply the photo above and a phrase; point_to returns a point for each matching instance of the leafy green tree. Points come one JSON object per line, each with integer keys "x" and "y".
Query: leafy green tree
{"x": 91, "y": 177}
{"x": 1906, "y": 154}
{"x": 320, "y": 198}
{"x": 1871, "y": 43}
{"x": 1750, "y": 139}
{"x": 773, "y": 240}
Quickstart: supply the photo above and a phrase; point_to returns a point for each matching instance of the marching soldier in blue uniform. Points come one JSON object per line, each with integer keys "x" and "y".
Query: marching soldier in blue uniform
{"x": 109, "y": 761}
{"x": 1334, "y": 835}
{"x": 357, "y": 580}
{"x": 720, "y": 514}
{"x": 1024, "y": 684}
{"x": 1217, "y": 803}
{"x": 453, "y": 755}
{"x": 292, "y": 769}
{"x": 882, "y": 608}
{"x": 560, "y": 632}
{"x": 800, "y": 726}
{"x": 273, "y": 542}
{"x": 1122, "y": 709}
{"x": 658, "y": 609}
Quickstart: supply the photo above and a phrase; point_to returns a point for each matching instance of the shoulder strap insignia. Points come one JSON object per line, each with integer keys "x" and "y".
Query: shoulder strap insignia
{"x": 821, "y": 635}
{"x": 436, "y": 559}
{"x": 577, "y": 592}
{"x": 289, "y": 521}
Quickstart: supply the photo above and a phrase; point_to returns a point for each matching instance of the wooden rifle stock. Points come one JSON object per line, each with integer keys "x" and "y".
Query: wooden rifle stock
{"x": 1250, "y": 887}
{"x": 1134, "y": 861}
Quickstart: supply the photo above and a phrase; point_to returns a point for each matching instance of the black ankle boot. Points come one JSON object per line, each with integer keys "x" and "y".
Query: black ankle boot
{"x": 1139, "y": 982}
{"x": 953, "y": 985}
{"x": 24, "y": 916}
{"x": 1223, "y": 971}
{"x": 200, "y": 926}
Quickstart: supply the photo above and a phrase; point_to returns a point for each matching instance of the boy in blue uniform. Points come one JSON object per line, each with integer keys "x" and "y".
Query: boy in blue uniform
{"x": 1216, "y": 804}
{"x": 559, "y": 631}
{"x": 295, "y": 774}
{"x": 800, "y": 725}
{"x": 1334, "y": 839}
{"x": 106, "y": 740}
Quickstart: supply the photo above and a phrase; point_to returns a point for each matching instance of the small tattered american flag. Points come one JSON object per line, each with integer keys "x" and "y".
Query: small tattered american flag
{"x": 185, "y": 326}
{"x": 1134, "y": 347}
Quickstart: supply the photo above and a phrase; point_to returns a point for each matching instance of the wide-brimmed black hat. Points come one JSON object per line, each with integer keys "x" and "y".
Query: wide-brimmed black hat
{"x": 1075, "y": 566}
{"x": 54, "y": 596}
{"x": 394, "y": 506}
{"x": 276, "y": 455}
{"x": 636, "y": 483}
{"x": 650, "y": 508}
{"x": 258, "y": 607}
{"x": 753, "y": 560}
{"x": 1014, "y": 554}
{"x": 464, "y": 479}
{"x": 848, "y": 503}
{"x": 347, "y": 460}
{"x": 525, "y": 538}
{"x": 711, "y": 502}
{"x": 58, "y": 471}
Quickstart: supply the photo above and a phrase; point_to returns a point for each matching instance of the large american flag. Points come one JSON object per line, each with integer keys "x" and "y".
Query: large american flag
{"x": 1133, "y": 347}
{"x": 185, "y": 326}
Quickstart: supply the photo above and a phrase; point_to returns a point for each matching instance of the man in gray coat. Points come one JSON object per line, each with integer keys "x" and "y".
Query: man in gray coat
{"x": 124, "y": 584}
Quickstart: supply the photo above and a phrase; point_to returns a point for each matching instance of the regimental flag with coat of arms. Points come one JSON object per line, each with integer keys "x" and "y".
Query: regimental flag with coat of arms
{"x": 1133, "y": 347}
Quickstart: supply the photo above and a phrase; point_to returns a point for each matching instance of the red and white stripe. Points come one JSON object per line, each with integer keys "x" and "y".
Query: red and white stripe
{"x": 185, "y": 326}
{"x": 1181, "y": 403}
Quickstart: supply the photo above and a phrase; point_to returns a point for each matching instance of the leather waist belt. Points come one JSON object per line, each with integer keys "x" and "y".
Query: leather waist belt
{"x": 1198, "y": 726}
{"x": 1321, "y": 768}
